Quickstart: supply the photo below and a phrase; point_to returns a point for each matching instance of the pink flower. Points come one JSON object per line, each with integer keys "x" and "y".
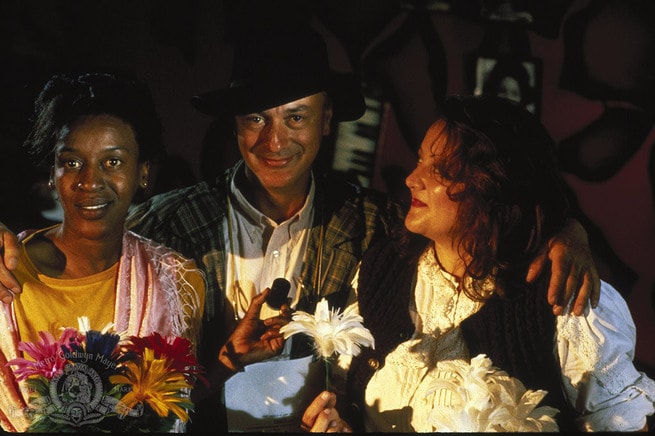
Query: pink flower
{"x": 48, "y": 358}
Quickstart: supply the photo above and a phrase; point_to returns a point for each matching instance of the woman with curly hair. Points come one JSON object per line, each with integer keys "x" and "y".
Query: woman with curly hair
{"x": 486, "y": 198}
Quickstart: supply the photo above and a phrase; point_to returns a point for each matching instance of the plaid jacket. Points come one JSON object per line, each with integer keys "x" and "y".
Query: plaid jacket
{"x": 347, "y": 219}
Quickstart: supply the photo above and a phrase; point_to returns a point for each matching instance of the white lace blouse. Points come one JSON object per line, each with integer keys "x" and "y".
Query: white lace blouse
{"x": 595, "y": 352}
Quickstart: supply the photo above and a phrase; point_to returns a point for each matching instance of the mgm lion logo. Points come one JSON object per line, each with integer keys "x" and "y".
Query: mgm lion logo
{"x": 77, "y": 398}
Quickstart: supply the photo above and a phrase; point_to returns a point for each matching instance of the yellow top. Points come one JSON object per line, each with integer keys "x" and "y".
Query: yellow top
{"x": 50, "y": 304}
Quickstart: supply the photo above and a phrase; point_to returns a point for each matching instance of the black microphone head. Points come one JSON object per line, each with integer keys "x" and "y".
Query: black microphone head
{"x": 279, "y": 293}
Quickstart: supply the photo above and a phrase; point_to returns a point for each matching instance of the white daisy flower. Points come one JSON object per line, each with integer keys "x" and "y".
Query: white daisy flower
{"x": 333, "y": 332}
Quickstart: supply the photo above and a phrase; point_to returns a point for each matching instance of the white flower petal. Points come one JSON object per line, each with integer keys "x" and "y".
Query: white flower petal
{"x": 84, "y": 325}
{"x": 332, "y": 332}
{"x": 486, "y": 398}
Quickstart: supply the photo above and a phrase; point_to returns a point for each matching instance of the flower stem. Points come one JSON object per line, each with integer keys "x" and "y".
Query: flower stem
{"x": 327, "y": 374}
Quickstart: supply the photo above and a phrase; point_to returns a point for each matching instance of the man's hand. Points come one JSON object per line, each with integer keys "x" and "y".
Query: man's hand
{"x": 321, "y": 416}
{"x": 254, "y": 340}
{"x": 9, "y": 249}
{"x": 573, "y": 270}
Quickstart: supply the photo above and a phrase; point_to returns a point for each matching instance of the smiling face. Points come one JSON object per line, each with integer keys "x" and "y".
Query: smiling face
{"x": 279, "y": 145}
{"x": 432, "y": 213}
{"x": 96, "y": 174}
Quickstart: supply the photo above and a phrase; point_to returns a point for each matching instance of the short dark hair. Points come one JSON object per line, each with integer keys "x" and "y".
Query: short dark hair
{"x": 65, "y": 98}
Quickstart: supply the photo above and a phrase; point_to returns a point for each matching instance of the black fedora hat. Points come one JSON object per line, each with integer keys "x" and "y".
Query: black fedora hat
{"x": 273, "y": 67}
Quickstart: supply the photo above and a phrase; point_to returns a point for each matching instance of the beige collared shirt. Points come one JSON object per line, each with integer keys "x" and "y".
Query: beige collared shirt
{"x": 259, "y": 250}
{"x": 267, "y": 395}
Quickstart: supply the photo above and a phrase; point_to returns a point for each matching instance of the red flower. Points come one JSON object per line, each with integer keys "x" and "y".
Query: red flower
{"x": 177, "y": 350}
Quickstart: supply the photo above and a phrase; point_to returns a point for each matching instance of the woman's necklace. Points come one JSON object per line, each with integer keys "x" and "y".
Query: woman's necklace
{"x": 455, "y": 285}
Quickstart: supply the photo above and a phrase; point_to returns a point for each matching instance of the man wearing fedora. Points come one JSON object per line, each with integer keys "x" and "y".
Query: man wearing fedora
{"x": 271, "y": 216}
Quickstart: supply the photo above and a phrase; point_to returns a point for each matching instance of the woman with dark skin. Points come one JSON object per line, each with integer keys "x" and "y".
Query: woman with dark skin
{"x": 97, "y": 133}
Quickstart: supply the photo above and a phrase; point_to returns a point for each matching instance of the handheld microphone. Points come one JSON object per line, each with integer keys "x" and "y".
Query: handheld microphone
{"x": 279, "y": 293}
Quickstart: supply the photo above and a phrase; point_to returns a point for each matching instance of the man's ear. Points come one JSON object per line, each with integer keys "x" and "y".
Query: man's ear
{"x": 327, "y": 120}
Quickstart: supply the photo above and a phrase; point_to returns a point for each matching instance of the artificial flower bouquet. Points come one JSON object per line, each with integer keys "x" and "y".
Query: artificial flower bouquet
{"x": 487, "y": 399}
{"x": 88, "y": 381}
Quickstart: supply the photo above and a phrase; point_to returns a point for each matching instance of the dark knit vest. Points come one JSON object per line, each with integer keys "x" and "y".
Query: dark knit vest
{"x": 518, "y": 335}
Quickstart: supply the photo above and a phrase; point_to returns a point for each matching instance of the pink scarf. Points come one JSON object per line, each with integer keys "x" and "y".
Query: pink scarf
{"x": 147, "y": 300}
{"x": 147, "y": 297}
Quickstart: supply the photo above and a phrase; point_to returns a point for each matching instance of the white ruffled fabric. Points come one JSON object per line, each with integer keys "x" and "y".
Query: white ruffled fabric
{"x": 595, "y": 352}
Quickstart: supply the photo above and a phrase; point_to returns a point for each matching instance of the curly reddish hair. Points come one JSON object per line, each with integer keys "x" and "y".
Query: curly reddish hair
{"x": 499, "y": 164}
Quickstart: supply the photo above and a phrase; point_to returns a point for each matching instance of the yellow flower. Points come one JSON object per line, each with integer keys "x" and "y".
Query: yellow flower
{"x": 152, "y": 381}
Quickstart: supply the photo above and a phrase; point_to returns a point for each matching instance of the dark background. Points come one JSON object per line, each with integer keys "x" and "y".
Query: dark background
{"x": 596, "y": 82}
